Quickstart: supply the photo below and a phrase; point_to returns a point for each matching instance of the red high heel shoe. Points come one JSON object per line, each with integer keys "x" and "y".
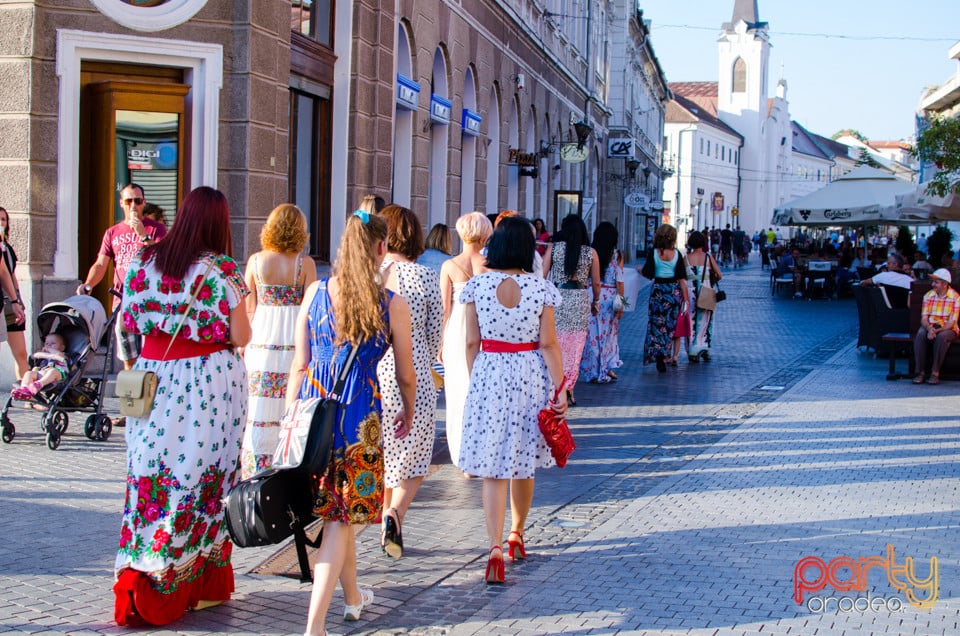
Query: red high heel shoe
{"x": 515, "y": 549}
{"x": 494, "y": 573}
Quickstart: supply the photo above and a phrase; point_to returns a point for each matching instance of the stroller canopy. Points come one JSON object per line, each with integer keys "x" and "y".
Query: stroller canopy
{"x": 83, "y": 313}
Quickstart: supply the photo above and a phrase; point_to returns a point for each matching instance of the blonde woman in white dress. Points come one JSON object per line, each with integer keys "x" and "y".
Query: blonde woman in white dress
{"x": 474, "y": 229}
{"x": 276, "y": 276}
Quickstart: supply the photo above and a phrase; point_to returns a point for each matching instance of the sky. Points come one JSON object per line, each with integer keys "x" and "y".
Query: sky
{"x": 871, "y": 85}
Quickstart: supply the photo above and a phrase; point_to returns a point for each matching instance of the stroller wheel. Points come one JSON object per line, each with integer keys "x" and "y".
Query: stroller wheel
{"x": 53, "y": 440}
{"x": 90, "y": 427}
{"x": 55, "y": 422}
{"x": 9, "y": 432}
{"x": 103, "y": 428}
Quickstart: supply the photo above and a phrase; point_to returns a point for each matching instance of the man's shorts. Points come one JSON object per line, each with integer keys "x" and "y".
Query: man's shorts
{"x": 129, "y": 345}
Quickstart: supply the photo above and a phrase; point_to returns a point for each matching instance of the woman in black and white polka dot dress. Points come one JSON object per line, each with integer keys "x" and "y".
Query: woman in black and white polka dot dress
{"x": 515, "y": 362}
{"x": 406, "y": 460}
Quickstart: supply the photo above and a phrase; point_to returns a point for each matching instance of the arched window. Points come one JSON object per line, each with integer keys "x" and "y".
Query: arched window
{"x": 403, "y": 125}
{"x": 439, "y": 135}
{"x": 739, "y": 76}
{"x": 468, "y": 147}
{"x": 513, "y": 170}
{"x": 493, "y": 152}
{"x": 530, "y": 147}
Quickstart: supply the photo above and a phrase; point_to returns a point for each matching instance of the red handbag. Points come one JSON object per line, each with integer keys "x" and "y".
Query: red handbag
{"x": 556, "y": 432}
{"x": 683, "y": 329}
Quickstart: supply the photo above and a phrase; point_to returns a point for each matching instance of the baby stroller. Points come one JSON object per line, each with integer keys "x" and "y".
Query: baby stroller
{"x": 82, "y": 322}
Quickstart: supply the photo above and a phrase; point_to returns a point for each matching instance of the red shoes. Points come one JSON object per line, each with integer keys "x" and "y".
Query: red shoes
{"x": 494, "y": 573}
{"x": 516, "y": 552}
{"x": 515, "y": 549}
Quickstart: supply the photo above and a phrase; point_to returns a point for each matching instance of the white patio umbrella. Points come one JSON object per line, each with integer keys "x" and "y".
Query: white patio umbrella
{"x": 863, "y": 196}
{"x": 923, "y": 206}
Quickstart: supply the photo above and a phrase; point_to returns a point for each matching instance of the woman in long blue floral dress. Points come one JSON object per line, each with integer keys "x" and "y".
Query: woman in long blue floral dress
{"x": 351, "y": 309}
{"x": 182, "y": 457}
{"x": 601, "y": 352}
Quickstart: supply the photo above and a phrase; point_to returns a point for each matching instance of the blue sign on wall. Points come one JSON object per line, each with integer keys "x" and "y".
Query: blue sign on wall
{"x": 408, "y": 93}
{"x": 470, "y": 122}
{"x": 440, "y": 109}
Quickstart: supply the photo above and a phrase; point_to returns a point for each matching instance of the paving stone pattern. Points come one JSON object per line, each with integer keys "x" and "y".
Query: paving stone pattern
{"x": 689, "y": 501}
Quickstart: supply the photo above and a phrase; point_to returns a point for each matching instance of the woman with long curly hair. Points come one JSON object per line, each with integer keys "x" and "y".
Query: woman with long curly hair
{"x": 276, "y": 276}
{"x": 351, "y": 309}
{"x": 183, "y": 456}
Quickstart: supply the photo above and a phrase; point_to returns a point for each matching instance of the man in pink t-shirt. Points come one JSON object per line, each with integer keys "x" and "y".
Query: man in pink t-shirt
{"x": 121, "y": 242}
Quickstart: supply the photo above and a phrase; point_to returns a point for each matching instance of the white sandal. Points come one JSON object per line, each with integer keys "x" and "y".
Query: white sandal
{"x": 352, "y": 612}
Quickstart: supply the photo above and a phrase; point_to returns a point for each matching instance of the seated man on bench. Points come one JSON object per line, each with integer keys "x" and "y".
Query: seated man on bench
{"x": 894, "y": 280}
{"x": 938, "y": 326}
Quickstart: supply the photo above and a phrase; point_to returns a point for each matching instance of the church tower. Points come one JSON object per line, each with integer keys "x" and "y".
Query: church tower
{"x": 744, "y": 55}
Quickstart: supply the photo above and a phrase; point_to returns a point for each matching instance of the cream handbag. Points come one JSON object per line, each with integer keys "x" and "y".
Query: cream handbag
{"x": 137, "y": 389}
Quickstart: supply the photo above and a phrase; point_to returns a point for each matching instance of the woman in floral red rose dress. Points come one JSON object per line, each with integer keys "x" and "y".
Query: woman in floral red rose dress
{"x": 174, "y": 551}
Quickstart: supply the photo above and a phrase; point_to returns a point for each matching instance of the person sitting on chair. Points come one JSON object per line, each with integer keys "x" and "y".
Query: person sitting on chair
{"x": 938, "y": 326}
{"x": 921, "y": 267}
{"x": 893, "y": 276}
{"x": 50, "y": 366}
{"x": 789, "y": 264}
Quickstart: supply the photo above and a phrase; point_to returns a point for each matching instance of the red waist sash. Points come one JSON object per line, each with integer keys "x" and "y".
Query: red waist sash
{"x": 499, "y": 346}
{"x": 154, "y": 348}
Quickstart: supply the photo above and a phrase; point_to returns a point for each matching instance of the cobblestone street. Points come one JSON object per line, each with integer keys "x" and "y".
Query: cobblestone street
{"x": 685, "y": 509}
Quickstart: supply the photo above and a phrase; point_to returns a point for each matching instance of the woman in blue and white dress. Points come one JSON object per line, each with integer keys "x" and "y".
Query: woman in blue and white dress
{"x": 515, "y": 363}
{"x": 601, "y": 352}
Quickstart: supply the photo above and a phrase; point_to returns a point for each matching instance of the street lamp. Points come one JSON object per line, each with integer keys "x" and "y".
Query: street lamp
{"x": 583, "y": 130}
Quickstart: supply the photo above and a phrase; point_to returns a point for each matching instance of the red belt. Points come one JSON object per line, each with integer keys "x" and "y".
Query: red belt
{"x": 154, "y": 348}
{"x": 608, "y": 286}
{"x": 499, "y": 346}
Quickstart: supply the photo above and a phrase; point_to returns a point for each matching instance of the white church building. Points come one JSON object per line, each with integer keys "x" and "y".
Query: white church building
{"x": 735, "y": 153}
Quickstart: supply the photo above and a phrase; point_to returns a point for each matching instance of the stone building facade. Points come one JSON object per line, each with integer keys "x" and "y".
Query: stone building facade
{"x": 445, "y": 107}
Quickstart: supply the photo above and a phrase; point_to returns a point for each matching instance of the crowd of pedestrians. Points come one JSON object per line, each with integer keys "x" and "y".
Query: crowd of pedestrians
{"x": 505, "y": 328}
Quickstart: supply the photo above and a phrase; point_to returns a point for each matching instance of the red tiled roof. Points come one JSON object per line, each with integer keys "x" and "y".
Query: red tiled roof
{"x": 703, "y": 94}
{"x": 684, "y": 110}
{"x": 890, "y": 144}
{"x": 692, "y": 89}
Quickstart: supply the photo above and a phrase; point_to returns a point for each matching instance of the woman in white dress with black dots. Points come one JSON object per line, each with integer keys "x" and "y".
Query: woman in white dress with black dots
{"x": 406, "y": 460}
{"x": 515, "y": 363}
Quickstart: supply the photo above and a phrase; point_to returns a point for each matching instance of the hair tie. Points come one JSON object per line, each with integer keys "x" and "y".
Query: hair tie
{"x": 363, "y": 216}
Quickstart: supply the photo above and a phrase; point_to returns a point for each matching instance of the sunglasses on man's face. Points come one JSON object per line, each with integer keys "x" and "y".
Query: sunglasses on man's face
{"x": 136, "y": 201}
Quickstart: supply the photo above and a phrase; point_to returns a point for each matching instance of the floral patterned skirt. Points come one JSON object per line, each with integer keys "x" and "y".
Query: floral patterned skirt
{"x": 181, "y": 460}
{"x": 664, "y": 307}
{"x": 351, "y": 489}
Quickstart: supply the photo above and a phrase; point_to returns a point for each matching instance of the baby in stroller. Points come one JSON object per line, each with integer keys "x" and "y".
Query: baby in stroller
{"x": 50, "y": 366}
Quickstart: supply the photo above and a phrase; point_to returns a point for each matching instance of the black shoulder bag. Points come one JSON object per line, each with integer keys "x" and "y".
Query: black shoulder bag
{"x": 277, "y": 502}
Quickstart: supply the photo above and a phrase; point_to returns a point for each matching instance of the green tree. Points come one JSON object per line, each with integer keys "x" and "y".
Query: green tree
{"x": 853, "y": 132}
{"x": 938, "y": 244}
{"x": 866, "y": 159}
{"x": 904, "y": 243}
{"x": 939, "y": 144}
